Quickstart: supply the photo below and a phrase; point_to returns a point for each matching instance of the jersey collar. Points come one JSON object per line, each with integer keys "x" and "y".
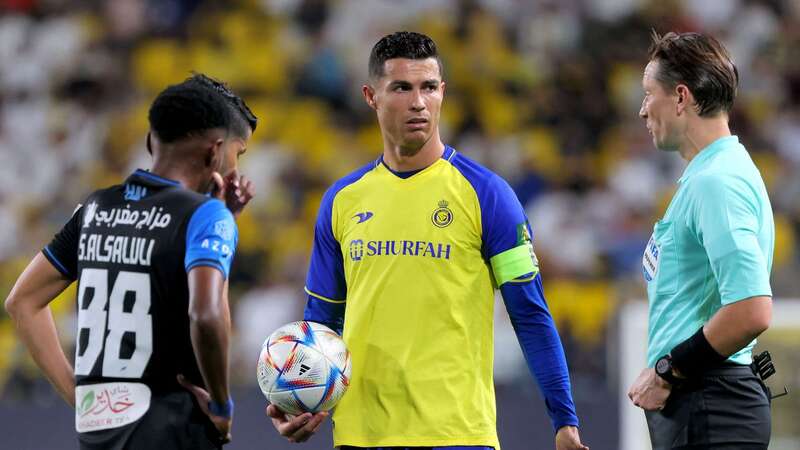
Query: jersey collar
{"x": 152, "y": 178}
{"x": 702, "y": 159}
{"x": 447, "y": 155}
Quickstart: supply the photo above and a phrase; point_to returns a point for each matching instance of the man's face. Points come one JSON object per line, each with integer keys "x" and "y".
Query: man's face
{"x": 407, "y": 99}
{"x": 232, "y": 148}
{"x": 659, "y": 110}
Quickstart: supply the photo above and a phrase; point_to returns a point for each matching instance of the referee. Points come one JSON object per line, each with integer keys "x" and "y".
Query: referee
{"x": 708, "y": 261}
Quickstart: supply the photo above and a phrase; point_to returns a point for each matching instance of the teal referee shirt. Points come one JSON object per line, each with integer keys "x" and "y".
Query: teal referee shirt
{"x": 712, "y": 248}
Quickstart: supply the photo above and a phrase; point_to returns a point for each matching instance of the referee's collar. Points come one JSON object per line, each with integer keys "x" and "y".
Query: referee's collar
{"x": 705, "y": 155}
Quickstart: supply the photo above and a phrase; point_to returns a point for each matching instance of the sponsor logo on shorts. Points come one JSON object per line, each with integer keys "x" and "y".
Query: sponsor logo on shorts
{"x": 109, "y": 405}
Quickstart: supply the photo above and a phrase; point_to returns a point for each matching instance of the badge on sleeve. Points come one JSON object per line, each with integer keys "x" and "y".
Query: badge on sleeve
{"x": 524, "y": 238}
{"x": 224, "y": 229}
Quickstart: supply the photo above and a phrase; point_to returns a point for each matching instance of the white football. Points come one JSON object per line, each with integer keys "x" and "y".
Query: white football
{"x": 304, "y": 366}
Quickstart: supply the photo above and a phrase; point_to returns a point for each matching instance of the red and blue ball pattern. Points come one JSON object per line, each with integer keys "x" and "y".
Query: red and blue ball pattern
{"x": 304, "y": 366}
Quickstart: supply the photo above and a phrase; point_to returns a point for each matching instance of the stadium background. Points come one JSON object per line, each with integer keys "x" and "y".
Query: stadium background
{"x": 546, "y": 93}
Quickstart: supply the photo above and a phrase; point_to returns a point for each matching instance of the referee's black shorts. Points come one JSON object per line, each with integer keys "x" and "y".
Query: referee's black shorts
{"x": 727, "y": 409}
{"x": 173, "y": 422}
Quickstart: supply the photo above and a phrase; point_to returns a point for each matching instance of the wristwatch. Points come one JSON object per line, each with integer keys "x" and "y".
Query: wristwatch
{"x": 664, "y": 370}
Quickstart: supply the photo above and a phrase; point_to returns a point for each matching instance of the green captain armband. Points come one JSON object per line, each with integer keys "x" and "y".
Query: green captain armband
{"x": 514, "y": 263}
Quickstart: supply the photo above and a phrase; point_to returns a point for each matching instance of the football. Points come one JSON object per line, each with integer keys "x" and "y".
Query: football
{"x": 304, "y": 367}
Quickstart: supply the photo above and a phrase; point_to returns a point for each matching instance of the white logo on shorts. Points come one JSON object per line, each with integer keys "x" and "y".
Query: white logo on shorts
{"x": 109, "y": 405}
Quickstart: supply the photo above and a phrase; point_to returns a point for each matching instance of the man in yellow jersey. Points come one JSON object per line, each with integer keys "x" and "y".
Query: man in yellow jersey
{"x": 408, "y": 251}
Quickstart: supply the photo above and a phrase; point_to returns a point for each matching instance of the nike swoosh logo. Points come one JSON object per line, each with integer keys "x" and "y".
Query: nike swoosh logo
{"x": 363, "y": 217}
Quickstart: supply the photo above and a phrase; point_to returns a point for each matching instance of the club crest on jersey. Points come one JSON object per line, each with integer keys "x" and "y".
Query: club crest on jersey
{"x": 442, "y": 216}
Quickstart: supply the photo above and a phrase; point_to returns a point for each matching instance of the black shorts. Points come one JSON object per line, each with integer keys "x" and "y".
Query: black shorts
{"x": 727, "y": 409}
{"x": 173, "y": 422}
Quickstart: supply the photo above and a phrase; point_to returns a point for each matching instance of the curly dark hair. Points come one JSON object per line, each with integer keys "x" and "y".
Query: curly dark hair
{"x": 402, "y": 44}
{"x": 244, "y": 118}
{"x": 198, "y": 104}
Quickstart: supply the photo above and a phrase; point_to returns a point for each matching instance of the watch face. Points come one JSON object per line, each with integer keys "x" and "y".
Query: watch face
{"x": 663, "y": 366}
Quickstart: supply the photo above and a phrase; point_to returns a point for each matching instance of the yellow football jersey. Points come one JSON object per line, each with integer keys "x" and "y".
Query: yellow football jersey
{"x": 414, "y": 262}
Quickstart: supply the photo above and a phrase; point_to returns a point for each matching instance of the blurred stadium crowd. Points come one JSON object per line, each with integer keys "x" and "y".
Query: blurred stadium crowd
{"x": 545, "y": 92}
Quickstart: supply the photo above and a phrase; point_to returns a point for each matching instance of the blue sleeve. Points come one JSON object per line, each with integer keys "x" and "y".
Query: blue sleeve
{"x": 502, "y": 216}
{"x": 325, "y": 283}
{"x": 508, "y": 246}
{"x": 211, "y": 237}
{"x": 62, "y": 251}
{"x": 542, "y": 348}
{"x": 506, "y": 235}
{"x": 325, "y": 280}
{"x": 326, "y": 313}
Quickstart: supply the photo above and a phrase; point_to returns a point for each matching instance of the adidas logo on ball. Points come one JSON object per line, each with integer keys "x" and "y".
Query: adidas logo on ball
{"x": 324, "y": 368}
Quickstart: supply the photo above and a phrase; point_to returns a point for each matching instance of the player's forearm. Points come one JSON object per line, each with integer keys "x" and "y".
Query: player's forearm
{"x": 27, "y": 304}
{"x": 326, "y": 313}
{"x": 37, "y": 331}
{"x": 542, "y": 348}
{"x": 211, "y": 340}
{"x": 736, "y": 325}
{"x": 209, "y": 327}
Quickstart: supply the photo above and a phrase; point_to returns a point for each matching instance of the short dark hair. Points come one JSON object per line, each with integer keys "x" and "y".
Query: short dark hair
{"x": 243, "y": 117}
{"x": 194, "y": 106}
{"x": 701, "y": 63}
{"x": 402, "y": 44}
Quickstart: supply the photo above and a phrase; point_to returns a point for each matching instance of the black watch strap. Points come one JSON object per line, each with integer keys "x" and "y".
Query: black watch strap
{"x": 664, "y": 370}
